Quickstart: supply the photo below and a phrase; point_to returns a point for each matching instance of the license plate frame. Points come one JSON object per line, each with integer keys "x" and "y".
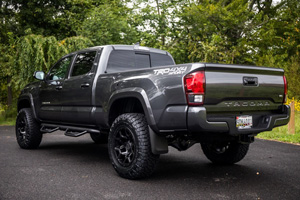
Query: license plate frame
{"x": 244, "y": 122}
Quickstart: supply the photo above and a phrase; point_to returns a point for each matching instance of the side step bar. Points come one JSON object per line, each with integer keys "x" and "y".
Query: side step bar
{"x": 74, "y": 133}
{"x": 71, "y": 131}
{"x": 48, "y": 130}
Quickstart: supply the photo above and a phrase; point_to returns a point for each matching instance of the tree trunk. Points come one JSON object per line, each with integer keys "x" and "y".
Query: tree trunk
{"x": 161, "y": 23}
{"x": 9, "y": 92}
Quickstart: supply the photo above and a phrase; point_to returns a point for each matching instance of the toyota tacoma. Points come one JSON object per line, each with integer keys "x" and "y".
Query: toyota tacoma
{"x": 139, "y": 102}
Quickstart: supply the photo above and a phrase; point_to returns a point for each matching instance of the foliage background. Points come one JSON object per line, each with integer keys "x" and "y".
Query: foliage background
{"x": 34, "y": 34}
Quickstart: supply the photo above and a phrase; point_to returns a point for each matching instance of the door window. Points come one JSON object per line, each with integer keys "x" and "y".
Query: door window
{"x": 83, "y": 63}
{"x": 60, "y": 69}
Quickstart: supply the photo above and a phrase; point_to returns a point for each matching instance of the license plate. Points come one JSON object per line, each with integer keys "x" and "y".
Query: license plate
{"x": 244, "y": 122}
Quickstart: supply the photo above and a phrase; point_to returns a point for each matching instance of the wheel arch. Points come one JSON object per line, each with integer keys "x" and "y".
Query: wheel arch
{"x": 130, "y": 100}
{"x": 26, "y": 101}
{"x": 135, "y": 100}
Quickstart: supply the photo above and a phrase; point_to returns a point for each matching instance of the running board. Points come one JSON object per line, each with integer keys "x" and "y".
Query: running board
{"x": 48, "y": 130}
{"x": 74, "y": 133}
{"x": 71, "y": 131}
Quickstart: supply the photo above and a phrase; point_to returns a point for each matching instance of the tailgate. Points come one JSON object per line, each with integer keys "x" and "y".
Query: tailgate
{"x": 243, "y": 88}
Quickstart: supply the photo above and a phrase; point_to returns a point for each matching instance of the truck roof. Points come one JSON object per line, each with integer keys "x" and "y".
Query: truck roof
{"x": 124, "y": 47}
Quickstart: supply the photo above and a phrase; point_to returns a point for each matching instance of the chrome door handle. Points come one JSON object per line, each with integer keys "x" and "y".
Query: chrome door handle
{"x": 85, "y": 85}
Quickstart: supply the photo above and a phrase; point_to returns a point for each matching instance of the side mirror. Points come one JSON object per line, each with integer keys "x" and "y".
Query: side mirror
{"x": 39, "y": 75}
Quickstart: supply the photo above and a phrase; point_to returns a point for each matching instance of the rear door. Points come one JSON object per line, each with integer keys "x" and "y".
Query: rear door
{"x": 76, "y": 95}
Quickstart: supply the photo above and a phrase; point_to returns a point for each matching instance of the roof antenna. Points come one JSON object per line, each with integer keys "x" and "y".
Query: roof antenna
{"x": 137, "y": 44}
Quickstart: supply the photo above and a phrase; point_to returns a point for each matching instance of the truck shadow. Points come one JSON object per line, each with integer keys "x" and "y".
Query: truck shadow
{"x": 202, "y": 171}
{"x": 170, "y": 166}
{"x": 87, "y": 151}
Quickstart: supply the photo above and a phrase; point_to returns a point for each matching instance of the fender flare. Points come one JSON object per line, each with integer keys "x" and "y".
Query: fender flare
{"x": 138, "y": 93}
{"x": 28, "y": 97}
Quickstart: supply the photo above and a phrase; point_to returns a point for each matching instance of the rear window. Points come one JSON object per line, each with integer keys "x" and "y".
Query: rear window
{"x": 126, "y": 60}
{"x": 142, "y": 60}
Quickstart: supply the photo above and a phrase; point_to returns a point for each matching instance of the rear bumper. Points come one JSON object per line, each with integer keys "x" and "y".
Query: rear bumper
{"x": 198, "y": 122}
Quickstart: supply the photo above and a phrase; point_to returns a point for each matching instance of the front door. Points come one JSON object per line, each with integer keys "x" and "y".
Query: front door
{"x": 51, "y": 89}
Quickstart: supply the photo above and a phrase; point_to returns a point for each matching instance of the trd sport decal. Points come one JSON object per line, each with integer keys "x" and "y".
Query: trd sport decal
{"x": 170, "y": 71}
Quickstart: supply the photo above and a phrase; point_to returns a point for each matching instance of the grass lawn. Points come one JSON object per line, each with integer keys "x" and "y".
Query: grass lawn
{"x": 282, "y": 134}
{"x": 7, "y": 122}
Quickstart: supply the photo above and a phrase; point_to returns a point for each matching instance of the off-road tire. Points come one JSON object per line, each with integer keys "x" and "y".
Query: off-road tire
{"x": 28, "y": 130}
{"x": 129, "y": 133}
{"x": 99, "y": 138}
{"x": 233, "y": 152}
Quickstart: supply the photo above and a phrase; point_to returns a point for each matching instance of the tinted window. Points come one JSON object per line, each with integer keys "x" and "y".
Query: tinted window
{"x": 160, "y": 60}
{"x": 142, "y": 60}
{"x": 120, "y": 61}
{"x": 83, "y": 63}
{"x": 124, "y": 60}
{"x": 60, "y": 69}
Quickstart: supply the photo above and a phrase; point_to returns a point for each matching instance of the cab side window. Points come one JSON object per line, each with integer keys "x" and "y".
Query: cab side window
{"x": 120, "y": 60}
{"x": 83, "y": 63}
{"x": 127, "y": 60}
{"x": 59, "y": 70}
{"x": 158, "y": 59}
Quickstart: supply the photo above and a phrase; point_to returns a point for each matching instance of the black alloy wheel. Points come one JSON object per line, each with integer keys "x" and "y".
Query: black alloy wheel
{"x": 27, "y": 130}
{"x": 129, "y": 147}
{"x": 124, "y": 146}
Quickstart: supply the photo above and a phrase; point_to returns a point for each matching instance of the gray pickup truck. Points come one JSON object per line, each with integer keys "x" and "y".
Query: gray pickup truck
{"x": 139, "y": 102}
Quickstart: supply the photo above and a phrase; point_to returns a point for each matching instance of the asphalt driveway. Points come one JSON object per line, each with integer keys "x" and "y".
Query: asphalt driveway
{"x": 76, "y": 168}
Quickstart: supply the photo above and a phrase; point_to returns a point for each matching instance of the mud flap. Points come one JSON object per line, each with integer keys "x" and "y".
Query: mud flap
{"x": 159, "y": 144}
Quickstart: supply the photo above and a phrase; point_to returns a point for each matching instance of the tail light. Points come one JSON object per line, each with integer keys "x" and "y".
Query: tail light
{"x": 195, "y": 88}
{"x": 285, "y": 89}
